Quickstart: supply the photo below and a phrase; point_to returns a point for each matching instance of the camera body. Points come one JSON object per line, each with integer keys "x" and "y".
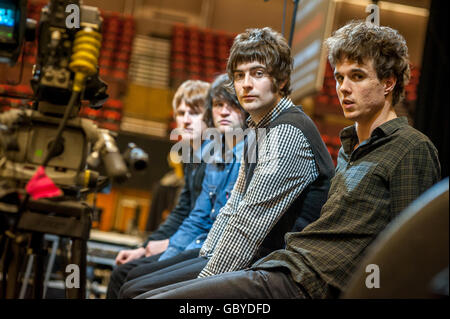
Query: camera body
{"x": 52, "y": 80}
{"x": 27, "y": 142}
{"x": 51, "y": 135}
{"x": 27, "y": 136}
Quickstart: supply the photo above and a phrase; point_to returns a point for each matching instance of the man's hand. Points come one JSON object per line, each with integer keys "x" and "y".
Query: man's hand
{"x": 125, "y": 256}
{"x": 155, "y": 247}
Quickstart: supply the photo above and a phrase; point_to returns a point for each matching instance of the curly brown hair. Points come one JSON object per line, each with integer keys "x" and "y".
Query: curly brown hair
{"x": 359, "y": 40}
{"x": 265, "y": 46}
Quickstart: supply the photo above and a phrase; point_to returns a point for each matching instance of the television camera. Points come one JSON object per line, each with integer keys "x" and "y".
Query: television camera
{"x": 51, "y": 140}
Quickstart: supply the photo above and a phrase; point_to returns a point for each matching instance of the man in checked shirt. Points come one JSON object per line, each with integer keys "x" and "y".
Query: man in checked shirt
{"x": 285, "y": 173}
{"x": 383, "y": 165}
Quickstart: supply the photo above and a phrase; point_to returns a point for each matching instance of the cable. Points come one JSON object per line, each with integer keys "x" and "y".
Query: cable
{"x": 284, "y": 18}
{"x": 62, "y": 124}
{"x": 294, "y": 15}
{"x": 17, "y": 82}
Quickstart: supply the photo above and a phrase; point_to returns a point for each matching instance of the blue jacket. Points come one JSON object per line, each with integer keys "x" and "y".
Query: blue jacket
{"x": 217, "y": 184}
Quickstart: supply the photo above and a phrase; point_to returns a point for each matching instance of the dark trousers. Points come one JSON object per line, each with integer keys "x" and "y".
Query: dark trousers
{"x": 243, "y": 284}
{"x": 181, "y": 271}
{"x": 142, "y": 266}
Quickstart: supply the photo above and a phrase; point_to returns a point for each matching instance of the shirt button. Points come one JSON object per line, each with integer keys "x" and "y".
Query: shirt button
{"x": 213, "y": 210}
{"x": 350, "y": 163}
{"x": 197, "y": 241}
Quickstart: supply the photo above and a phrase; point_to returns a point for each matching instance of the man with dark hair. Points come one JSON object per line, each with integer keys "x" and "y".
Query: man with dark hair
{"x": 383, "y": 165}
{"x": 285, "y": 187}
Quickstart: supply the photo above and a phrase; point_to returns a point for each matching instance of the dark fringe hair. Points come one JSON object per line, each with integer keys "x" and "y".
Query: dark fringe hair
{"x": 220, "y": 90}
{"x": 265, "y": 46}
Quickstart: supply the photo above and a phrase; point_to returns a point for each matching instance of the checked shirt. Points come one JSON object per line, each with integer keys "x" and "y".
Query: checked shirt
{"x": 285, "y": 167}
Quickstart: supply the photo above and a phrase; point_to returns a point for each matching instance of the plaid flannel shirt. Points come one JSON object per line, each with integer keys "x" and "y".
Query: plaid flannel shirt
{"x": 372, "y": 185}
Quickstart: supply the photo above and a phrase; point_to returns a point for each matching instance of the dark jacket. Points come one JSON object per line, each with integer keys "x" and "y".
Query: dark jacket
{"x": 193, "y": 178}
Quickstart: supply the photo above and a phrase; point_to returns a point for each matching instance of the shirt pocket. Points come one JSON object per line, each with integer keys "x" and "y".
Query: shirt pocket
{"x": 359, "y": 182}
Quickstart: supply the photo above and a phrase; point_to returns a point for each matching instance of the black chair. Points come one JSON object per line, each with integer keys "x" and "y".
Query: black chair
{"x": 411, "y": 254}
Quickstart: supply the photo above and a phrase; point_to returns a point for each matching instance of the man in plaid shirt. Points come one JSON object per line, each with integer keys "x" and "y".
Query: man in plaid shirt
{"x": 383, "y": 165}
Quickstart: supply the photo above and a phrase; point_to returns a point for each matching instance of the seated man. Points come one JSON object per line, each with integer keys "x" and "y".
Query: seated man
{"x": 223, "y": 154}
{"x": 221, "y": 171}
{"x": 188, "y": 106}
{"x": 286, "y": 171}
{"x": 383, "y": 165}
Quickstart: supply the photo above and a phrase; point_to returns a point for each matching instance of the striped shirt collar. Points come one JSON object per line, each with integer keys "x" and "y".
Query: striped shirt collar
{"x": 282, "y": 105}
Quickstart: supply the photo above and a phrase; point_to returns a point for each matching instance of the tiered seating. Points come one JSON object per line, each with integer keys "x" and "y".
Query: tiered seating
{"x": 411, "y": 87}
{"x": 198, "y": 53}
{"x": 333, "y": 144}
{"x": 327, "y": 101}
{"x": 118, "y": 32}
{"x": 109, "y": 116}
{"x": 15, "y": 96}
{"x": 150, "y": 62}
{"x": 30, "y": 49}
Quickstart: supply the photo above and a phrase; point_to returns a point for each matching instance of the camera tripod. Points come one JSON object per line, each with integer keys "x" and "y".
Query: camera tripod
{"x": 63, "y": 218}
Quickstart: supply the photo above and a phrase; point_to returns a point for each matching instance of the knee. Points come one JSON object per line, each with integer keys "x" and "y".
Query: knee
{"x": 116, "y": 273}
{"x": 126, "y": 291}
{"x": 134, "y": 273}
{"x": 119, "y": 274}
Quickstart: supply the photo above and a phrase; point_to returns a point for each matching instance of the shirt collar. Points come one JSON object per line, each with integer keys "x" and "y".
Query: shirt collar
{"x": 390, "y": 126}
{"x": 349, "y": 137}
{"x": 217, "y": 158}
{"x": 282, "y": 105}
{"x": 200, "y": 152}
